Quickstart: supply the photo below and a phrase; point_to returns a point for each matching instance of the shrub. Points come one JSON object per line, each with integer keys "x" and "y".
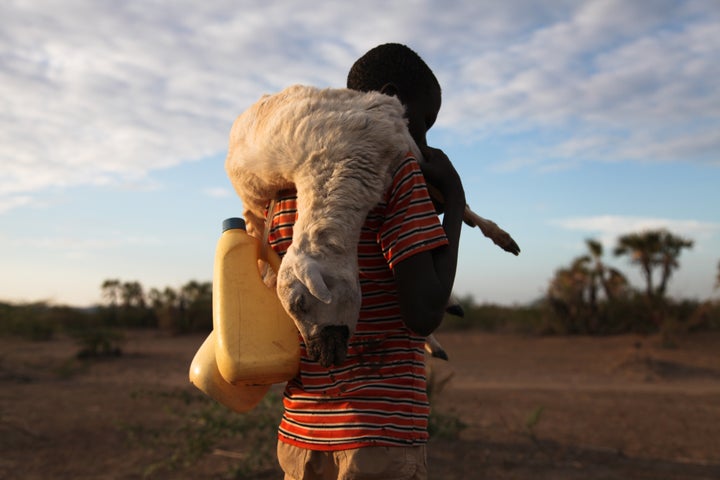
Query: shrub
{"x": 202, "y": 426}
{"x": 31, "y": 321}
{"x": 495, "y": 318}
{"x": 98, "y": 341}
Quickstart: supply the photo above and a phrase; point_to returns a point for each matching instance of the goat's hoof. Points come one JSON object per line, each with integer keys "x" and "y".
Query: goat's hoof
{"x": 507, "y": 243}
{"x": 441, "y": 354}
{"x": 455, "y": 309}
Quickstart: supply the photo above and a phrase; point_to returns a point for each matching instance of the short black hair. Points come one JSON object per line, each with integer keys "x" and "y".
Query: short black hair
{"x": 394, "y": 63}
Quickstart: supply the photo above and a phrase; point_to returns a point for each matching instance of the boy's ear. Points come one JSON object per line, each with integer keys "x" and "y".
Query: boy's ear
{"x": 390, "y": 89}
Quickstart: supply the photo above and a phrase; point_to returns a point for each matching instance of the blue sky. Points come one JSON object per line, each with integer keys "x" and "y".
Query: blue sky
{"x": 567, "y": 120}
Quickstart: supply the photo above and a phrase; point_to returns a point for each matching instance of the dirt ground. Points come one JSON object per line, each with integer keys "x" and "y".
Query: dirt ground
{"x": 560, "y": 408}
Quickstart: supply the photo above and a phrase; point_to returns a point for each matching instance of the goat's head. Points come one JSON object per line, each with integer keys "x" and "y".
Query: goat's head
{"x": 323, "y": 298}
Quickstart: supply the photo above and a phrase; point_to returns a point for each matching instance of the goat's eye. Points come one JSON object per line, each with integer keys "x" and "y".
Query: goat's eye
{"x": 298, "y": 303}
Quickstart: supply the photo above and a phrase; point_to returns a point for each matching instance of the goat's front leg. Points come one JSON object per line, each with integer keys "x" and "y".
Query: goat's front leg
{"x": 490, "y": 229}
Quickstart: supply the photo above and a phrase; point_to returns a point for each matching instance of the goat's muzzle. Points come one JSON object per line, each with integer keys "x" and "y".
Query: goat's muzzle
{"x": 329, "y": 347}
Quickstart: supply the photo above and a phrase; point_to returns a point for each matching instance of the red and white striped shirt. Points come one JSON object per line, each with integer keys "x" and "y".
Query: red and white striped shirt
{"x": 377, "y": 397}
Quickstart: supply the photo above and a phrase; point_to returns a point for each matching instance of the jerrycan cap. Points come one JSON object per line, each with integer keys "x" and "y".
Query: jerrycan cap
{"x": 233, "y": 222}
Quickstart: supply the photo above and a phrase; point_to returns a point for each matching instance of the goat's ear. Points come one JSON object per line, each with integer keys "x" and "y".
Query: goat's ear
{"x": 311, "y": 276}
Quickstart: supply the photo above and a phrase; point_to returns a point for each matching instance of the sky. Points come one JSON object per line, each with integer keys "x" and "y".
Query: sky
{"x": 567, "y": 120}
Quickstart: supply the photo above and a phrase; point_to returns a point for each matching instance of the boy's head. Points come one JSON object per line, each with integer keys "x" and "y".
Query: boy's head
{"x": 395, "y": 69}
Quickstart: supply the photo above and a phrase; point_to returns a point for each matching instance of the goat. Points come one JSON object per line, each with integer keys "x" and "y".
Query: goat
{"x": 338, "y": 149}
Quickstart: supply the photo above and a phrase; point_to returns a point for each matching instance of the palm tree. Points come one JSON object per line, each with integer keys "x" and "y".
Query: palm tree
{"x": 566, "y": 294}
{"x": 615, "y": 284}
{"x": 597, "y": 273}
{"x": 653, "y": 250}
{"x": 612, "y": 280}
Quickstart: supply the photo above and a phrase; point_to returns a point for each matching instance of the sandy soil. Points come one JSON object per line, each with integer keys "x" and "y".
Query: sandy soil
{"x": 556, "y": 408}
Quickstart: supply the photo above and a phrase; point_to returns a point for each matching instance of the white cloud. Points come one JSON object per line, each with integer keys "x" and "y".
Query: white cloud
{"x": 71, "y": 244}
{"x": 9, "y": 202}
{"x": 98, "y": 92}
{"x": 609, "y": 227}
{"x": 219, "y": 192}
{"x": 642, "y": 80}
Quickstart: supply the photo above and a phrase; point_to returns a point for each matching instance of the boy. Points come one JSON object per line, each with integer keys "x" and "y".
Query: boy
{"x": 367, "y": 418}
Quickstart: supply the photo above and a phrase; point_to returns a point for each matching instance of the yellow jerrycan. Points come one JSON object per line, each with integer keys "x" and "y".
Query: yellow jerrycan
{"x": 256, "y": 341}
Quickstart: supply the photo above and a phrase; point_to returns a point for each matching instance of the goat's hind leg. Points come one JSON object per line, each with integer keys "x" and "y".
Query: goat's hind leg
{"x": 434, "y": 348}
{"x": 432, "y": 345}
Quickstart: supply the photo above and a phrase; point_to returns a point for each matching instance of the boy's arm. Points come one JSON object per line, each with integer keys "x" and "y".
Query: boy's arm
{"x": 425, "y": 280}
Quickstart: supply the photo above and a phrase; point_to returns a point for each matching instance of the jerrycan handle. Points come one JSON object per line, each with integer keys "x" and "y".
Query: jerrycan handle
{"x": 265, "y": 253}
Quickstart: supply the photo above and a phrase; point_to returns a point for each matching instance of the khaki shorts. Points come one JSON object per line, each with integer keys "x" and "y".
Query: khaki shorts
{"x": 369, "y": 463}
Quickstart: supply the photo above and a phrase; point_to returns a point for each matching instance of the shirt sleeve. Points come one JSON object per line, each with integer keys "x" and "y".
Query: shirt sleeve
{"x": 411, "y": 225}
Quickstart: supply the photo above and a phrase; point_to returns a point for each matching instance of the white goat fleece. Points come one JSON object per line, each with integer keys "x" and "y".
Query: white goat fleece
{"x": 338, "y": 148}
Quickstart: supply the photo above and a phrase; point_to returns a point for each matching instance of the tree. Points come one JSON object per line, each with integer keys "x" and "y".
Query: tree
{"x": 576, "y": 292}
{"x": 111, "y": 289}
{"x": 163, "y": 298}
{"x": 612, "y": 280}
{"x": 165, "y": 305}
{"x": 653, "y": 251}
{"x": 196, "y": 305}
{"x": 566, "y": 294}
{"x": 132, "y": 295}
